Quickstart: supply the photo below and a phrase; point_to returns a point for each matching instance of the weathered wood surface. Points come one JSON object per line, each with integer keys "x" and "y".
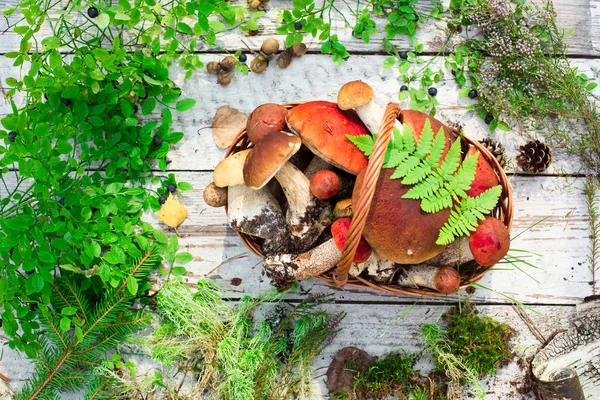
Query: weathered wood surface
{"x": 315, "y": 77}
{"x": 379, "y": 330}
{"x": 583, "y": 16}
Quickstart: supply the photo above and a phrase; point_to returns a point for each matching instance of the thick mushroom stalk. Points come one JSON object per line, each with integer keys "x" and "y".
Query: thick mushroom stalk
{"x": 359, "y": 95}
{"x": 306, "y": 217}
{"x": 445, "y": 280}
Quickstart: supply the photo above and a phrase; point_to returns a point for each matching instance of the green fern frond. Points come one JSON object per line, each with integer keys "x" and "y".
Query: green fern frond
{"x": 464, "y": 220}
{"x": 452, "y": 160}
{"x": 364, "y": 143}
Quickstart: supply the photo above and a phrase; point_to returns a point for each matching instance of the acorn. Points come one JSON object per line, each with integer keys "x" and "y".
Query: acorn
{"x": 284, "y": 60}
{"x": 228, "y": 63}
{"x": 299, "y": 49}
{"x": 270, "y": 47}
{"x": 259, "y": 64}
{"x": 224, "y": 78}
{"x": 213, "y": 67}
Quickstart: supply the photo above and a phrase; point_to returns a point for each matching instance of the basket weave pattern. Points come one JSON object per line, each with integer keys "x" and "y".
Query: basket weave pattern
{"x": 339, "y": 275}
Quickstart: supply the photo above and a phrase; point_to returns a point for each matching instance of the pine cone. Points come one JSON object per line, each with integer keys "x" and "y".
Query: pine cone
{"x": 535, "y": 157}
{"x": 496, "y": 149}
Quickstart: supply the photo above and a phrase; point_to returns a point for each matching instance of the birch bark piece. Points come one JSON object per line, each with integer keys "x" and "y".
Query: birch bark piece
{"x": 5, "y": 392}
{"x": 571, "y": 357}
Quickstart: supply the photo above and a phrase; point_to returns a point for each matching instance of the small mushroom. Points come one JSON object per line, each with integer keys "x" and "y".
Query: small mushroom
{"x": 215, "y": 196}
{"x": 285, "y": 268}
{"x": 490, "y": 242}
{"x": 342, "y": 209}
{"x": 253, "y": 212}
{"x": 445, "y": 280}
{"x": 265, "y": 119}
{"x": 323, "y": 128}
{"x": 306, "y": 217}
{"x": 324, "y": 184}
{"x": 339, "y": 230}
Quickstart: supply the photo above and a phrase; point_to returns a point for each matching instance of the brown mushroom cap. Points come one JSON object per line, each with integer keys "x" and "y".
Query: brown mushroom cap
{"x": 265, "y": 119}
{"x": 323, "y": 128}
{"x": 354, "y": 94}
{"x": 416, "y": 121}
{"x": 268, "y": 156}
{"x": 397, "y": 228}
{"x": 446, "y": 280}
{"x": 490, "y": 242}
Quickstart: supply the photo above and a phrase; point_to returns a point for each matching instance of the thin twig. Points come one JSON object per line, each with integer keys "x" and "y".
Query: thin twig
{"x": 532, "y": 328}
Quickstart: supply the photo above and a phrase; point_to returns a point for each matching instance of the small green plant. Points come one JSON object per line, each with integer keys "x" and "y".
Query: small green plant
{"x": 391, "y": 375}
{"x": 438, "y": 185}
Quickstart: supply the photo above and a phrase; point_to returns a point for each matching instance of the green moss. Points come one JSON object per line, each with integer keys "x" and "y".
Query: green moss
{"x": 480, "y": 341}
{"x": 392, "y": 374}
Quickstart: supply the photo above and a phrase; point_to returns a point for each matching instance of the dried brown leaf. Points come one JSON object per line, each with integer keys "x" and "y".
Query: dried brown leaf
{"x": 226, "y": 125}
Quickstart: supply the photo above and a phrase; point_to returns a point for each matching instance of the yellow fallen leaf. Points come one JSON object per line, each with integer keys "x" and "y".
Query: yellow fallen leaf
{"x": 226, "y": 125}
{"x": 172, "y": 213}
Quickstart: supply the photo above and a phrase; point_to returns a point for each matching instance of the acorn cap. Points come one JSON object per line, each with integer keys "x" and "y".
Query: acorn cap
{"x": 323, "y": 128}
{"x": 229, "y": 171}
{"x": 354, "y": 94}
{"x": 268, "y": 156}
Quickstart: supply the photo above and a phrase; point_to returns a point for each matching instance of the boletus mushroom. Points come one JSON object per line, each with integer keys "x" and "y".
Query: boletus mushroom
{"x": 490, "y": 242}
{"x": 445, "y": 280}
{"x": 286, "y": 268}
{"x": 323, "y": 128}
{"x": 253, "y": 212}
{"x": 215, "y": 196}
{"x": 306, "y": 216}
{"x": 265, "y": 119}
{"x": 485, "y": 176}
{"x": 324, "y": 184}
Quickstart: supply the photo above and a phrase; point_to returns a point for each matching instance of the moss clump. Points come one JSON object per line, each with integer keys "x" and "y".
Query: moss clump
{"x": 391, "y": 375}
{"x": 480, "y": 341}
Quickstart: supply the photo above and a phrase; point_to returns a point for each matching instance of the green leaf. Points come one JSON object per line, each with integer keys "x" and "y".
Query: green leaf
{"x": 183, "y": 258}
{"x": 185, "y": 104}
{"x": 184, "y": 186}
{"x": 132, "y": 285}
{"x": 148, "y": 106}
{"x": 103, "y": 20}
{"x": 178, "y": 271}
{"x": 364, "y": 143}
{"x": 65, "y": 324}
{"x": 68, "y": 311}
{"x": 47, "y": 257}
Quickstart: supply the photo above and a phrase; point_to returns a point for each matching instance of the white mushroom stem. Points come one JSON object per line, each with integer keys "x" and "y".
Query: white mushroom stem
{"x": 457, "y": 253}
{"x": 371, "y": 114}
{"x": 443, "y": 279}
{"x": 295, "y": 267}
{"x": 305, "y": 218}
{"x": 315, "y": 165}
{"x": 256, "y": 213}
{"x": 374, "y": 264}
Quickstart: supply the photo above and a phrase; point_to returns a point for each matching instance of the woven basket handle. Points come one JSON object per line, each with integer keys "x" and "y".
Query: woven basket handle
{"x": 362, "y": 207}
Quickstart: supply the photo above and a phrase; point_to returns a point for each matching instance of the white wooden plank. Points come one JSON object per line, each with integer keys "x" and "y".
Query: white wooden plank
{"x": 377, "y": 330}
{"x": 315, "y": 77}
{"x": 560, "y": 238}
{"x": 579, "y": 15}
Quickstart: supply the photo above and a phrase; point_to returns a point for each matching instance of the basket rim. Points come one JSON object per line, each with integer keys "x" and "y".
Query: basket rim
{"x": 503, "y": 211}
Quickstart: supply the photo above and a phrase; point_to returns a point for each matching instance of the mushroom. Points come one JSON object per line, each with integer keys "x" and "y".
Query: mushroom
{"x": 265, "y": 119}
{"x": 323, "y": 128}
{"x": 485, "y": 176}
{"x": 215, "y": 196}
{"x": 377, "y": 268}
{"x": 397, "y": 228}
{"x": 445, "y": 280}
{"x": 324, "y": 184}
{"x": 253, "y": 212}
{"x": 343, "y": 208}
{"x": 359, "y": 95}
{"x": 490, "y": 242}
{"x": 306, "y": 218}
{"x": 285, "y": 268}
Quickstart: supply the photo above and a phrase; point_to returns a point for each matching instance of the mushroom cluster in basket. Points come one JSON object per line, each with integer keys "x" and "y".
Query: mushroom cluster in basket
{"x": 294, "y": 177}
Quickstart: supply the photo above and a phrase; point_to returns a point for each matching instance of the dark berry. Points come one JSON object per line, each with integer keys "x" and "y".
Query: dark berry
{"x": 171, "y": 188}
{"x": 61, "y": 201}
{"x": 403, "y": 88}
{"x": 83, "y": 268}
{"x": 33, "y": 307}
{"x": 298, "y": 26}
{"x": 162, "y": 200}
{"x": 92, "y": 12}
{"x": 157, "y": 141}
{"x": 66, "y": 102}
{"x": 432, "y": 91}
{"x": 489, "y": 118}
{"x": 12, "y": 135}
{"x": 243, "y": 57}
{"x": 403, "y": 55}
{"x": 109, "y": 220}
{"x": 28, "y": 273}
{"x": 473, "y": 94}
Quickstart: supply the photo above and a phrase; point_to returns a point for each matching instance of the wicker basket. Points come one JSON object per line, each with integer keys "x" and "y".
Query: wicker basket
{"x": 470, "y": 272}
